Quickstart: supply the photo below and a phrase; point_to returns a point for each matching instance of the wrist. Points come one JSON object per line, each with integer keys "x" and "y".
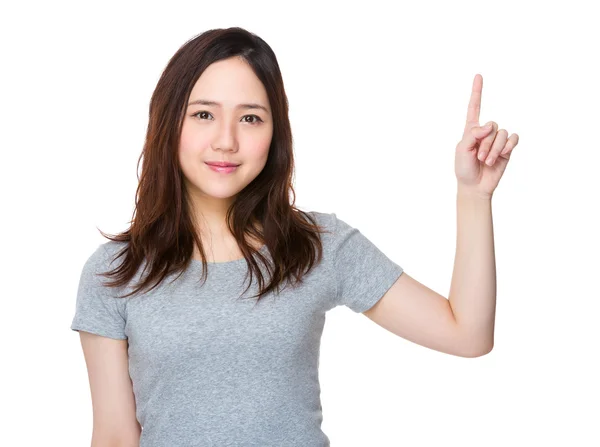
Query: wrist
{"x": 471, "y": 193}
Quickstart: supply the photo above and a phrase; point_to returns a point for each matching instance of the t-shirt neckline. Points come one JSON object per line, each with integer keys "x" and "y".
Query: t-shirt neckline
{"x": 262, "y": 249}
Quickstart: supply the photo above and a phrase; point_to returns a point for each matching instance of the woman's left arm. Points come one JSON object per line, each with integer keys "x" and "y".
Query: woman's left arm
{"x": 473, "y": 290}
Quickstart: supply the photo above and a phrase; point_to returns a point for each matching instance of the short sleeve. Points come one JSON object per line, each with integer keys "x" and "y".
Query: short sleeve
{"x": 363, "y": 273}
{"x": 97, "y": 310}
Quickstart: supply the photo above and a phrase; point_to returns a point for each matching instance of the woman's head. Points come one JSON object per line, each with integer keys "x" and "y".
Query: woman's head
{"x": 228, "y": 66}
{"x": 228, "y": 119}
{"x": 231, "y": 67}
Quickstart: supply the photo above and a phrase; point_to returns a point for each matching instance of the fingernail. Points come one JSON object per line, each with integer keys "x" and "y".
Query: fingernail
{"x": 489, "y": 162}
{"x": 481, "y": 156}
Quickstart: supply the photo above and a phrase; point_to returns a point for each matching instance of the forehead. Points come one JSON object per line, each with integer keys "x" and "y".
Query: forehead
{"x": 230, "y": 82}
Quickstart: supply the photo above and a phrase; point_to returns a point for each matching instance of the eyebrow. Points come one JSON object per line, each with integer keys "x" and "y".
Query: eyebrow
{"x": 239, "y": 106}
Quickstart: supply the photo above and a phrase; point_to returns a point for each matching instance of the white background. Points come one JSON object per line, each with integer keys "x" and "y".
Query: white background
{"x": 378, "y": 97}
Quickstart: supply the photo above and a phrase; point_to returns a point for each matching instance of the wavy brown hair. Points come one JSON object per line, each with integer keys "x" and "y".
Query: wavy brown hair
{"x": 163, "y": 228}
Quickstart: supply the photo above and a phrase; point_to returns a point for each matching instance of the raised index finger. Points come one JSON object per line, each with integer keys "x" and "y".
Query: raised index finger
{"x": 475, "y": 102}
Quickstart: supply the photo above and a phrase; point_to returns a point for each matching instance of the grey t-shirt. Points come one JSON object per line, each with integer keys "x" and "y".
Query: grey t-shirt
{"x": 210, "y": 369}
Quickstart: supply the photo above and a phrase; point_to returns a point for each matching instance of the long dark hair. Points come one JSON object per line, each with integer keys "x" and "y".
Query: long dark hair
{"x": 163, "y": 230}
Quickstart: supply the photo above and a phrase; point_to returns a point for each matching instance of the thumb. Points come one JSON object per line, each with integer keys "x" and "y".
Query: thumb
{"x": 475, "y": 133}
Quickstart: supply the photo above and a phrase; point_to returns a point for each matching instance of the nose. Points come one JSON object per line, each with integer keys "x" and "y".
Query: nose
{"x": 225, "y": 138}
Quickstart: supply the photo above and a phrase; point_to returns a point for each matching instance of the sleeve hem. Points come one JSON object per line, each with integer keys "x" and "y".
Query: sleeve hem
{"x": 369, "y": 301}
{"x": 98, "y": 331}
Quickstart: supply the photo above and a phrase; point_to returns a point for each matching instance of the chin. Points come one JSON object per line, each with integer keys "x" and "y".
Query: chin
{"x": 220, "y": 194}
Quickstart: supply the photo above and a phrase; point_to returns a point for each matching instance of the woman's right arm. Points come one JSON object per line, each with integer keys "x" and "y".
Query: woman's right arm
{"x": 113, "y": 401}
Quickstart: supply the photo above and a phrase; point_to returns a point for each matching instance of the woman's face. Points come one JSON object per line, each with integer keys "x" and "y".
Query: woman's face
{"x": 226, "y": 131}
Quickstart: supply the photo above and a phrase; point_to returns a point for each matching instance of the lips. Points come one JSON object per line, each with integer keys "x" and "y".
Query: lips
{"x": 222, "y": 169}
{"x": 221, "y": 164}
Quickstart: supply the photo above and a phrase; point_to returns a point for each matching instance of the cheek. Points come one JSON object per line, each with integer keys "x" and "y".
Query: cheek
{"x": 259, "y": 149}
{"x": 192, "y": 143}
{"x": 191, "y": 149}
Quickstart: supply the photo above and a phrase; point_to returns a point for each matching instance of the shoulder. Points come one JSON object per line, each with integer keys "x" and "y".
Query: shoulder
{"x": 330, "y": 227}
{"x": 325, "y": 220}
{"x": 327, "y": 223}
{"x": 332, "y": 224}
{"x": 101, "y": 259}
{"x": 111, "y": 249}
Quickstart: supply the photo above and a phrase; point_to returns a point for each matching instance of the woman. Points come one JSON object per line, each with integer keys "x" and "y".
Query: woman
{"x": 175, "y": 343}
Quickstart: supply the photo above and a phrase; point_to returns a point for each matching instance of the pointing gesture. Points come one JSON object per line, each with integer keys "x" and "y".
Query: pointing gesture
{"x": 484, "y": 151}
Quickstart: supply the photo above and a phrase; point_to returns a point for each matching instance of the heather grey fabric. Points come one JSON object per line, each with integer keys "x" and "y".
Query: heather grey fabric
{"x": 210, "y": 369}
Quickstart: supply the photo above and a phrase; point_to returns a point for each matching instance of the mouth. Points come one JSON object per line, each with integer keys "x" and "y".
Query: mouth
{"x": 224, "y": 168}
{"x": 222, "y": 164}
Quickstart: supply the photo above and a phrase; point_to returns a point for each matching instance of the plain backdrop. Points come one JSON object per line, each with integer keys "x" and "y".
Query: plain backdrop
{"x": 378, "y": 96}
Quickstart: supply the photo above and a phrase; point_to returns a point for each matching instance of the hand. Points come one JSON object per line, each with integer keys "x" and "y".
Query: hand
{"x": 483, "y": 153}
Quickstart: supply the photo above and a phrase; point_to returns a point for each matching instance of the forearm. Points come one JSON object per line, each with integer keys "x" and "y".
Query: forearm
{"x": 473, "y": 290}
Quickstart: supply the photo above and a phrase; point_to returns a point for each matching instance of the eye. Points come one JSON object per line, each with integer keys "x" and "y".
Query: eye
{"x": 256, "y": 121}
{"x": 198, "y": 113}
{"x": 255, "y": 116}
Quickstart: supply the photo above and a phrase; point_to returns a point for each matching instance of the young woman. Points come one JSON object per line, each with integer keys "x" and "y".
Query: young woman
{"x": 208, "y": 333}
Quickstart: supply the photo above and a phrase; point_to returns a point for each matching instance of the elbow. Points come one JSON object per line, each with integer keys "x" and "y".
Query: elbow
{"x": 473, "y": 344}
{"x": 472, "y": 353}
